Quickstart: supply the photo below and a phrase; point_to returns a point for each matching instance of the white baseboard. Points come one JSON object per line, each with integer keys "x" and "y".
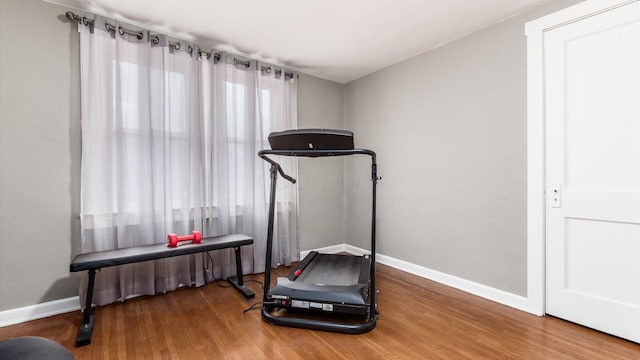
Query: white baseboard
{"x": 38, "y": 311}
{"x": 500, "y": 296}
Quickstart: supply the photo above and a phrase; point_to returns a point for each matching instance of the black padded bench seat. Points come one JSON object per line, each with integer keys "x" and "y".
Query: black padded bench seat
{"x": 101, "y": 259}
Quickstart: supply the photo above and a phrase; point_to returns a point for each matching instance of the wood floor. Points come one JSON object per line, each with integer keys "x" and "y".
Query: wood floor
{"x": 419, "y": 319}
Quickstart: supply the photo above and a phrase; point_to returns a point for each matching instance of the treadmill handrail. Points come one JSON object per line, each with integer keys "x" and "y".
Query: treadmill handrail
{"x": 318, "y": 153}
{"x": 278, "y": 167}
{"x": 311, "y": 153}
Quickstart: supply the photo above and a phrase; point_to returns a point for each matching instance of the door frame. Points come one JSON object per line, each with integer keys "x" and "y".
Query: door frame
{"x": 536, "y": 147}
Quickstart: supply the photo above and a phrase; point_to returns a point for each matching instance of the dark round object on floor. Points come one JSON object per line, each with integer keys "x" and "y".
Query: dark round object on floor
{"x": 33, "y": 347}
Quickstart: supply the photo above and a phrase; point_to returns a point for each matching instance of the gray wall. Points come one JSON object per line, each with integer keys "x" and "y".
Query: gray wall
{"x": 320, "y": 185}
{"x": 40, "y": 156}
{"x": 39, "y": 153}
{"x": 450, "y": 130}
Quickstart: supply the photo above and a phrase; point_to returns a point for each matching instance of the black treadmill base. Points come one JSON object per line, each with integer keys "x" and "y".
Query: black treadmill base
{"x": 321, "y": 325}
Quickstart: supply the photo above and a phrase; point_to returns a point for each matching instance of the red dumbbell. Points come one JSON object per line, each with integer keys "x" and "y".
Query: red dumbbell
{"x": 195, "y": 238}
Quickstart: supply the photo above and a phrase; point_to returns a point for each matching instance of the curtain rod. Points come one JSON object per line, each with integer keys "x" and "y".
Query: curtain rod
{"x": 155, "y": 39}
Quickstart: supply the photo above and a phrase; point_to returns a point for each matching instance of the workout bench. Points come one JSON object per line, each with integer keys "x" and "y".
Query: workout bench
{"x": 101, "y": 259}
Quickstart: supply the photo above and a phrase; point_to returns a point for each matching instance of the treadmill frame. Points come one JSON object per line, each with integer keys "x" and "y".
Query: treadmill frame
{"x": 313, "y": 324}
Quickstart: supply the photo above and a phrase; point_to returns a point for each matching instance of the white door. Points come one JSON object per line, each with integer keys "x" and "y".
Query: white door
{"x": 592, "y": 117}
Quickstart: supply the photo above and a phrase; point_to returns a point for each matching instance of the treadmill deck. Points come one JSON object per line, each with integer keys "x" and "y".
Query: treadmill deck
{"x": 326, "y": 282}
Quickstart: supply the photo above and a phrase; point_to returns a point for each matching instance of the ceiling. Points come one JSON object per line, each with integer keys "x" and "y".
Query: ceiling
{"x": 339, "y": 40}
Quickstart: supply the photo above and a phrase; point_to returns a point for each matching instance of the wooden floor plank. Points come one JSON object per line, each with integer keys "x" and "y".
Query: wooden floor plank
{"x": 419, "y": 319}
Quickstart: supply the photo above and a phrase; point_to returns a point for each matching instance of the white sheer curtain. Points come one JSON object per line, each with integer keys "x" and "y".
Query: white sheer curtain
{"x": 169, "y": 143}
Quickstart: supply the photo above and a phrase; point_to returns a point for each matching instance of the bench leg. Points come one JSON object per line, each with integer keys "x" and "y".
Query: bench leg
{"x": 88, "y": 315}
{"x": 237, "y": 281}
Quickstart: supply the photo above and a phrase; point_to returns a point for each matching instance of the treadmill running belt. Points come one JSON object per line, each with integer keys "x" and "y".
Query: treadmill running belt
{"x": 330, "y": 282}
{"x": 327, "y": 269}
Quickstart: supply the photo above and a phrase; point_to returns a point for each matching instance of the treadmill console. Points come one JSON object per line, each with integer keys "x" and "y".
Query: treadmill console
{"x": 311, "y": 139}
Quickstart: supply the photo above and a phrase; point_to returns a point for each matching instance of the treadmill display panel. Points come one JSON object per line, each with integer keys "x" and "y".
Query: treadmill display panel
{"x": 311, "y": 139}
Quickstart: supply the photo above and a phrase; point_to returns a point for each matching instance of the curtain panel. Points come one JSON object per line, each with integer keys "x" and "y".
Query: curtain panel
{"x": 169, "y": 145}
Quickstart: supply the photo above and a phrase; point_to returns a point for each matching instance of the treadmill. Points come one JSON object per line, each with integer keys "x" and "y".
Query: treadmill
{"x": 321, "y": 284}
